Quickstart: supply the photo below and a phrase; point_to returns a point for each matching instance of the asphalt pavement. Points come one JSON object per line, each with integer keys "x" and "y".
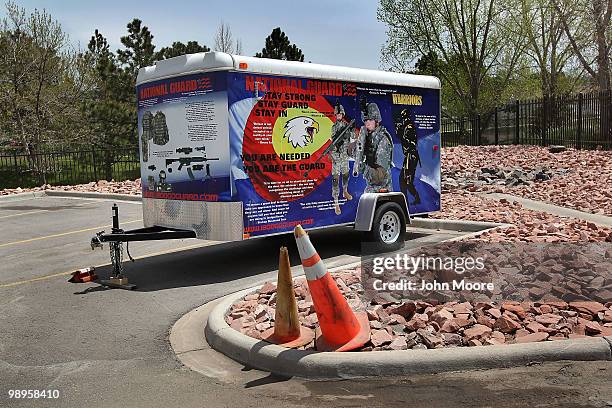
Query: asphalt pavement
{"x": 100, "y": 347}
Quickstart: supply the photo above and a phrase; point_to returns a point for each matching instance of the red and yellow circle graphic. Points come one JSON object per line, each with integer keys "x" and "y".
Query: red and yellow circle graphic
{"x": 284, "y": 137}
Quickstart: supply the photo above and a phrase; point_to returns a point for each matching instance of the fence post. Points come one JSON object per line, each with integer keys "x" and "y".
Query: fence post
{"x": 93, "y": 161}
{"x": 516, "y": 122}
{"x": 608, "y": 111}
{"x": 579, "y": 127}
{"x": 496, "y": 128}
{"x": 17, "y": 169}
{"x": 544, "y": 120}
{"x": 478, "y": 135}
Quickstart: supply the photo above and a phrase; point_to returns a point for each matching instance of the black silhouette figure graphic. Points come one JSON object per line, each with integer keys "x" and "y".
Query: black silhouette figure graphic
{"x": 406, "y": 131}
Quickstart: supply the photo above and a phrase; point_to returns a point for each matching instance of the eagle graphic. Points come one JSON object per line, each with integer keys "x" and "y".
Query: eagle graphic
{"x": 300, "y": 131}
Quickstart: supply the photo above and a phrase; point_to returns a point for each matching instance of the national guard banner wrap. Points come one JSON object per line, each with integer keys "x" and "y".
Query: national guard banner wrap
{"x": 182, "y": 128}
{"x": 302, "y": 151}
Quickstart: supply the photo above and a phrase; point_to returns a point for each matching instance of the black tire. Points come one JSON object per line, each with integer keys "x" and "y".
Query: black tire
{"x": 391, "y": 235}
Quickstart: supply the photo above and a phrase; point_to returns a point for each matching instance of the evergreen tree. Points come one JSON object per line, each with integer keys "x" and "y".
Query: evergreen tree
{"x": 139, "y": 49}
{"x": 178, "y": 48}
{"x": 139, "y": 52}
{"x": 110, "y": 108}
{"x": 278, "y": 46}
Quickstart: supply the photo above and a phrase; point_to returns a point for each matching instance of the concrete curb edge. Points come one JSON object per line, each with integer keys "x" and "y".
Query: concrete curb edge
{"x": 69, "y": 194}
{"x": 22, "y": 196}
{"x": 268, "y": 357}
{"x": 91, "y": 194}
{"x": 454, "y": 225}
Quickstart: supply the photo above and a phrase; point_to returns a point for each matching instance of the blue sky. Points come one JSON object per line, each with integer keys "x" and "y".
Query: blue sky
{"x": 339, "y": 32}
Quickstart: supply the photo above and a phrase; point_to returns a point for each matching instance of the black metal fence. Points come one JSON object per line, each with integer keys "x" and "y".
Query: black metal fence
{"x": 18, "y": 169}
{"x": 582, "y": 121}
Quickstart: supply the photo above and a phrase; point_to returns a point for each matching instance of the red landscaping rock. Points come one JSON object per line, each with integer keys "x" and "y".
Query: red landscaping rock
{"x": 506, "y": 325}
{"x": 521, "y": 333}
{"x": 587, "y": 307}
{"x": 430, "y": 339}
{"x": 406, "y": 309}
{"x": 471, "y": 320}
{"x": 268, "y": 288}
{"x": 380, "y": 337}
{"x": 533, "y": 337}
{"x": 547, "y": 319}
{"x": 516, "y": 309}
{"x": 476, "y": 331}
{"x": 592, "y": 328}
{"x": 441, "y": 316}
{"x": 535, "y": 327}
{"x": 398, "y": 344}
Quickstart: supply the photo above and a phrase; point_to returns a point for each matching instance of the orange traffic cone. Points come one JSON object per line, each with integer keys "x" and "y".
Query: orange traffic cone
{"x": 287, "y": 331}
{"x": 340, "y": 329}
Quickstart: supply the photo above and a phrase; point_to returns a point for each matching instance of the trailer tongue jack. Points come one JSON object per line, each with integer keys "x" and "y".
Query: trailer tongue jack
{"x": 118, "y": 236}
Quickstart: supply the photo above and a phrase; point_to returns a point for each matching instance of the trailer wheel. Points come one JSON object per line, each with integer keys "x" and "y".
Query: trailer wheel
{"x": 388, "y": 227}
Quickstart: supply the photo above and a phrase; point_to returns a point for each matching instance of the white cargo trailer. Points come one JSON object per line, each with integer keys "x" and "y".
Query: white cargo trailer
{"x": 235, "y": 148}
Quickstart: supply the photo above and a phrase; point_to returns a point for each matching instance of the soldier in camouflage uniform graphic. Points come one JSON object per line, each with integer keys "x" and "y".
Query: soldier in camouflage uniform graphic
{"x": 340, "y": 157}
{"x": 147, "y": 134}
{"x": 375, "y": 151}
{"x": 160, "y": 129}
{"x": 406, "y": 131}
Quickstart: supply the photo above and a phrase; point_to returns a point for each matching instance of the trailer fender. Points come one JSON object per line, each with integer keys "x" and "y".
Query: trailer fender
{"x": 368, "y": 202}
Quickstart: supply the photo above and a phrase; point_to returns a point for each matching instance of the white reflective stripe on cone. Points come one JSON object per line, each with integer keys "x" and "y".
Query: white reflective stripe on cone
{"x": 305, "y": 247}
{"x": 317, "y": 271}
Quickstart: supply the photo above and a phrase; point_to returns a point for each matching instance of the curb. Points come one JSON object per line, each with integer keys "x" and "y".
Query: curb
{"x": 599, "y": 219}
{"x": 69, "y": 194}
{"x": 22, "y": 196}
{"x": 85, "y": 194}
{"x": 321, "y": 365}
{"x": 454, "y": 225}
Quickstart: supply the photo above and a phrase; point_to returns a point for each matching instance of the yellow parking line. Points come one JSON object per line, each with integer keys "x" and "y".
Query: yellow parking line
{"x": 62, "y": 234}
{"x": 23, "y": 213}
{"x": 87, "y": 204}
{"x": 45, "y": 277}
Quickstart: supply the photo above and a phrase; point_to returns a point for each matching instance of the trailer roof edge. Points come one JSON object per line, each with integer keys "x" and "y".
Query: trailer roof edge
{"x": 220, "y": 61}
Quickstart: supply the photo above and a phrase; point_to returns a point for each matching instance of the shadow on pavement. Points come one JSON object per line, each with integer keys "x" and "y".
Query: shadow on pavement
{"x": 269, "y": 379}
{"x": 230, "y": 261}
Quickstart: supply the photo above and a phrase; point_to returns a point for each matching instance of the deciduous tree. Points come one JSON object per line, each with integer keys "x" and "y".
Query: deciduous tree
{"x": 469, "y": 37}
{"x": 41, "y": 84}
{"x": 548, "y": 51}
{"x": 589, "y": 30}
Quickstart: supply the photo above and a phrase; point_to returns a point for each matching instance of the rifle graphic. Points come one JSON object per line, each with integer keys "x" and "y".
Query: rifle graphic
{"x": 358, "y": 153}
{"x": 185, "y": 150}
{"x": 336, "y": 139}
{"x": 363, "y": 102}
{"x": 186, "y": 161}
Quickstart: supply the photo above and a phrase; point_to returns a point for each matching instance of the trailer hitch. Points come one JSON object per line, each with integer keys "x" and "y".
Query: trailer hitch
{"x": 117, "y": 278}
{"x": 118, "y": 236}
{"x": 96, "y": 242}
